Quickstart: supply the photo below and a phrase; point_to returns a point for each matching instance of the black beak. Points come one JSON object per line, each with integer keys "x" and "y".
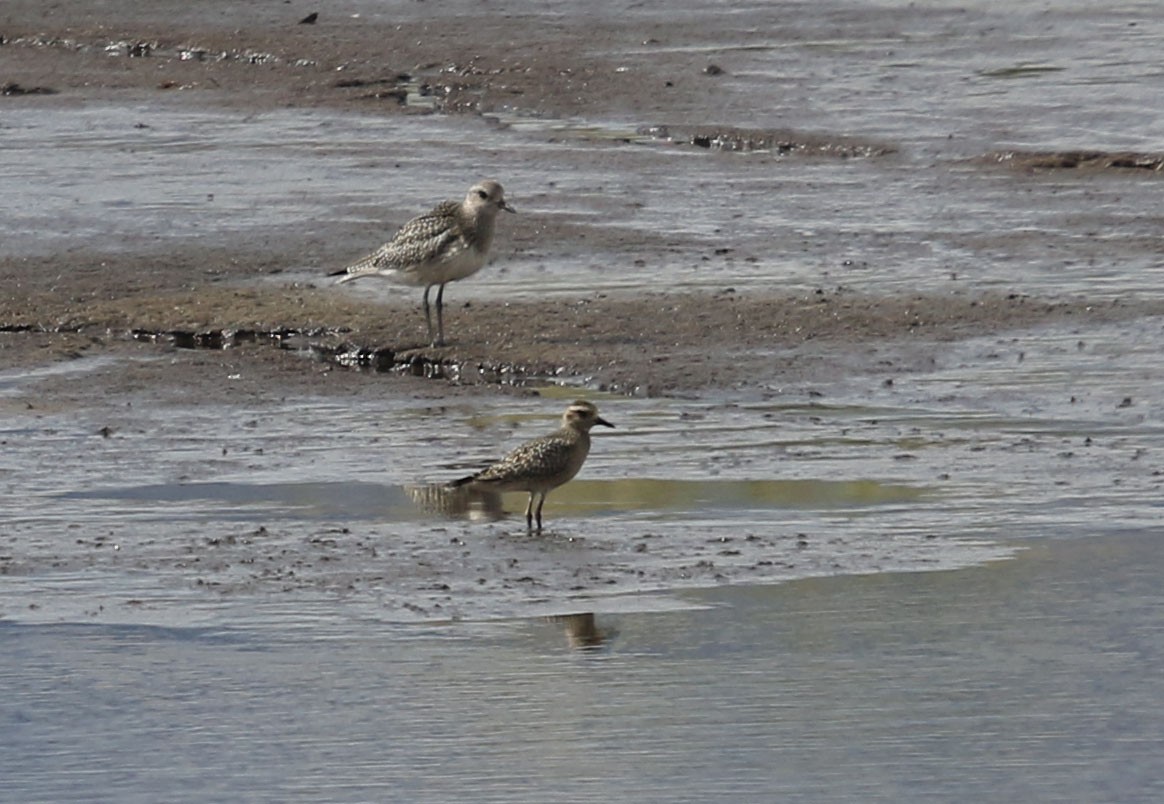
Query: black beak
{"x": 505, "y": 206}
{"x": 603, "y": 422}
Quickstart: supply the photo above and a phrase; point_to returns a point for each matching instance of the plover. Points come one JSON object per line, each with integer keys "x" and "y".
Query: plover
{"x": 441, "y": 246}
{"x": 541, "y": 465}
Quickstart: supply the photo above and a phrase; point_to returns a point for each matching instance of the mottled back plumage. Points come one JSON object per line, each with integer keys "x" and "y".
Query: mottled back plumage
{"x": 541, "y": 465}
{"x": 448, "y": 243}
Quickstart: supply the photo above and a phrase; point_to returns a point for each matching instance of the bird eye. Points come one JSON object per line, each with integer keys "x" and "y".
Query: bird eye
{"x": 482, "y": 194}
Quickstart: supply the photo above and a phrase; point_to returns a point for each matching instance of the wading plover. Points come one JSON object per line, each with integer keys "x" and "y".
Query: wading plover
{"x": 541, "y": 465}
{"x": 451, "y": 242}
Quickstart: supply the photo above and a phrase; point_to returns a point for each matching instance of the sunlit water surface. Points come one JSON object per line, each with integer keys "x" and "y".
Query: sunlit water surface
{"x": 1033, "y": 679}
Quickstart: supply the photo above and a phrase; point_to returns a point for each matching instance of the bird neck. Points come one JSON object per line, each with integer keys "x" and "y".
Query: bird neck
{"x": 577, "y": 428}
{"x": 481, "y": 225}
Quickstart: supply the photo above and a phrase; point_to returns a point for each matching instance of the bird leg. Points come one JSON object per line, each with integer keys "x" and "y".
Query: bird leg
{"x": 529, "y": 513}
{"x": 541, "y": 502}
{"x": 440, "y": 305}
{"x": 427, "y": 317}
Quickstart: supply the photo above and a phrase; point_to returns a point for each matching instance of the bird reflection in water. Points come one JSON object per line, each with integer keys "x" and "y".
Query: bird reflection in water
{"x": 438, "y": 498}
{"x": 582, "y": 631}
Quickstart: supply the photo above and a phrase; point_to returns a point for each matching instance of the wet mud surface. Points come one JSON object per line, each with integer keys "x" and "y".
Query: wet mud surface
{"x": 646, "y": 345}
{"x": 167, "y": 513}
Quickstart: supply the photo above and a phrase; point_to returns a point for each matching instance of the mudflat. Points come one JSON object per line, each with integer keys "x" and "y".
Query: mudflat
{"x": 224, "y": 291}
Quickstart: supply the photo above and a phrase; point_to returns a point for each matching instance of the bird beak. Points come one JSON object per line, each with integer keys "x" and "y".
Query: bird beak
{"x": 603, "y": 422}
{"x": 505, "y": 206}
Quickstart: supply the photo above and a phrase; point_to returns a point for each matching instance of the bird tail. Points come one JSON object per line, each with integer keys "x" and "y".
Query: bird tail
{"x": 347, "y": 275}
{"x": 464, "y": 481}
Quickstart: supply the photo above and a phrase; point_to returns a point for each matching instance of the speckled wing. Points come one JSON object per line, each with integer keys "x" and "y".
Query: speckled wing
{"x": 538, "y": 459}
{"x": 428, "y": 238}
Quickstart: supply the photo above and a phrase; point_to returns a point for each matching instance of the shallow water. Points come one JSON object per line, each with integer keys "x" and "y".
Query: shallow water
{"x": 870, "y": 225}
{"x": 940, "y": 86}
{"x": 1032, "y": 679}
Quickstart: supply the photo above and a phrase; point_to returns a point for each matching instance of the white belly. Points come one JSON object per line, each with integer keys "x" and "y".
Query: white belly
{"x": 451, "y": 268}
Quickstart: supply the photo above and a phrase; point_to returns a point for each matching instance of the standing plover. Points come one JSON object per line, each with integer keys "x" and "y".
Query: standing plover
{"x": 541, "y": 465}
{"x": 441, "y": 246}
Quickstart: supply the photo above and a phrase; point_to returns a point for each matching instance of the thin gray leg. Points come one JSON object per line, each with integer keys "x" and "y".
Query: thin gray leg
{"x": 440, "y": 305}
{"x": 529, "y": 512}
{"x": 427, "y": 316}
{"x": 541, "y": 502}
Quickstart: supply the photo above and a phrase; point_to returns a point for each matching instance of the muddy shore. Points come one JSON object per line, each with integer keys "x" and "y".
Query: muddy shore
{"x": 311, "y": 340}
{"x": 63, "y": 306}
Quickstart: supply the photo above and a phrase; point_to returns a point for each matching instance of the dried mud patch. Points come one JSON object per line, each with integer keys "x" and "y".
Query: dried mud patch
{"x": 781, "y": 142}
{"x": 1084, "y": 161}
